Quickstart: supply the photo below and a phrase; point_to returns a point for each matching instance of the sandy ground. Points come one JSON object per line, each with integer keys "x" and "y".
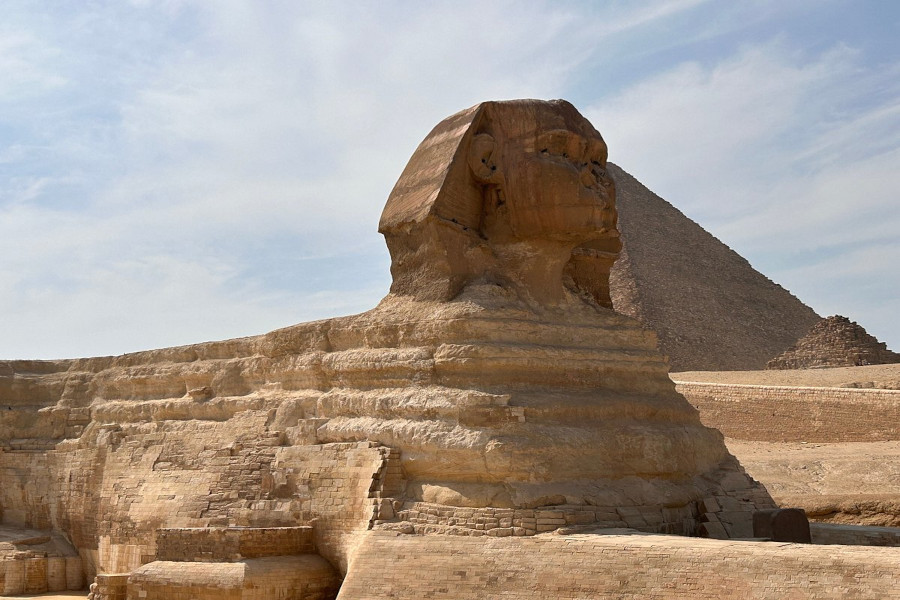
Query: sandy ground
{"x": 856, "y": 482}
{"x": 794, "y": 468}
{"x": 874, "y": 376}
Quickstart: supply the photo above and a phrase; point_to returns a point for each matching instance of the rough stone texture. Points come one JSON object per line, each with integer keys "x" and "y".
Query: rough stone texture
{"x": 248, "y": 563}
{"x": 110, "y": 490}
{"x": 852, "y": 535}
{"x": 575, "y": 567}
{"x": 782, "y": 525}
{"x": 306, "y": 577}
{"x": 834, "y": 342}
{"x": 36, "y": 561}
{"x": 223, "y": 544}
{"x": 835, "y": 452}
{"x": 789, "y": 414}
{"x": 883, "y": 377}
{"x": 493, "y": 393}
{"x": 109, "y": 586}
{"x": 711, "y": 309}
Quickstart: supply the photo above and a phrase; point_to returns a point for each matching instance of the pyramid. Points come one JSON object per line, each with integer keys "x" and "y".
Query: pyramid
{"x": 835, "y": 342}
{"x": 709, "y": 307}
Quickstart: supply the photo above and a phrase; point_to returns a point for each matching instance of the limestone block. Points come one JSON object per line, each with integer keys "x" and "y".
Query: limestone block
{"x": 611, "y": 566}
{"x": 35, "y": 575}
{"x": 713, "y": 529}
{"x": 56, "y": 574}
{"x": 14, "y": 577}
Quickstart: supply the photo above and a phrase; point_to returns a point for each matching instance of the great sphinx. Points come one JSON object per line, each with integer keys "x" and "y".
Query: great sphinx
{"x": 493, "y": 392}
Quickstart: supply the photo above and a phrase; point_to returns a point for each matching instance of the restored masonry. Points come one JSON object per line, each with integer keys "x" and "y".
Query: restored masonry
{"x": 794, "y": 414}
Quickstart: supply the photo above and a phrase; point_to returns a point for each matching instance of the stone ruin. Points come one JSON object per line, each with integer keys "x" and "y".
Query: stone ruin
{"x": 835, "y": 341}
{"x": 492, "y": 394}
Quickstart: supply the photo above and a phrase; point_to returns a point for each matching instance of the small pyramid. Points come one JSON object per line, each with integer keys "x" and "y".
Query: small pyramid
{"x": 835, "y": 342}
{"x": 711, "y": 310}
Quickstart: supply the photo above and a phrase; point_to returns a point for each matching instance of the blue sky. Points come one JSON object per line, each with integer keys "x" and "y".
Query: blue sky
{"x": 176, "y": 172}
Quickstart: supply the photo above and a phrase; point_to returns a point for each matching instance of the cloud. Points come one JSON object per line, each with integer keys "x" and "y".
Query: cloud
{"x": 179, "y": 171}
{"x": 786, "y": 156}
{"x": 195, "y": 172}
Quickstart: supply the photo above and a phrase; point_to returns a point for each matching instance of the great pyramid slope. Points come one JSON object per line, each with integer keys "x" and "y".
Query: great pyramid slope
{"x": 710, "y": 308}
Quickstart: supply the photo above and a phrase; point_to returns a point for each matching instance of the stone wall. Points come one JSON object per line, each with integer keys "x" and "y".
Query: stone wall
{"x": 306, "y": 577}
{"x": 247, "y": 563}
{"x": 727, "y": 515}
{"x": 201, "y": 544}
{"x": 111, "y": 490}
{"x": 39, "y": 574}
{"x": 854, "y": 535}
{"x": 794, "y": 414}
{"x": 570, "y": 567}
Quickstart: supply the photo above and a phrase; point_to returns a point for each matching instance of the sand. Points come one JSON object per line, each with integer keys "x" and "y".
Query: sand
{"x": 873, "y": 376}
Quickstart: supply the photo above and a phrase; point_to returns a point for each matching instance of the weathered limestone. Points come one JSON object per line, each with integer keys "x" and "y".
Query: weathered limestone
{"x": 240, "y": 563}
{"x": 831, "y": 450}
{"x": 492, "y": 393}
{"x": 624, "y": 567}
{"x": 796, "y": 414}
{"x": 34, "y": 561}
{"x": 834, "y": 342}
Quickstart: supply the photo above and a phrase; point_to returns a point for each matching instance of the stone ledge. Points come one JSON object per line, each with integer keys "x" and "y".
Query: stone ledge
{"x": 228, "y": 544}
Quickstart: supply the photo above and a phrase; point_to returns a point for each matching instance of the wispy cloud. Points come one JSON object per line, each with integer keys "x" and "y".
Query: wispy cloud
{"x": 176, "y": 172}
{"x": 789, "y": 157}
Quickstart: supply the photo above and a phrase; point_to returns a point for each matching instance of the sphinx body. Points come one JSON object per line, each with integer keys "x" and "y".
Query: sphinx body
{"x": 492, "y": 392}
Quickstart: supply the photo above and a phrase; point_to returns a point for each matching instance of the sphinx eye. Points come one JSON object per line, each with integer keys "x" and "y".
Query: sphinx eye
{"x": 543, "y": 151}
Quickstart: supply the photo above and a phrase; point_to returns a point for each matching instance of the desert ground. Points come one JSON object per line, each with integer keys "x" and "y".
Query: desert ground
{"x": 872, "y": 376}
{"x": 853, "y": 482}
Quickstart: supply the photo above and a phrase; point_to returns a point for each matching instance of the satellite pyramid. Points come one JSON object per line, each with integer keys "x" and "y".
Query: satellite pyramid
{"x": 710, "y": 309}
{"x": 835, "y": 342}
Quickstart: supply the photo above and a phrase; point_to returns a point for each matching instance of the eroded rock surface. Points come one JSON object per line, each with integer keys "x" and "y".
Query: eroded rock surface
{"x": 835, "y": 341}
{"x": 492, "y": 392}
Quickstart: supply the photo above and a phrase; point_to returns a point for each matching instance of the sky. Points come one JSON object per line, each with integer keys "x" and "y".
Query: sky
{"x": 175, "y": 172}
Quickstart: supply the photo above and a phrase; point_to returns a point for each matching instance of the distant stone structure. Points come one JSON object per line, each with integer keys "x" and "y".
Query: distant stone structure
{"x": 710, "y": 308}
{"x": 492, "y": 394}
{"x": 835, "y": 341}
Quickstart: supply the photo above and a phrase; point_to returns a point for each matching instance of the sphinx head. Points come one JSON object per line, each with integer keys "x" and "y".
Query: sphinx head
{"x": 515, "y": 193}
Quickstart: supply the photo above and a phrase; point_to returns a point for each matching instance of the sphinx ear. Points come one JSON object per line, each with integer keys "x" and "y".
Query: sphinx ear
{"x": 482, "y": 154}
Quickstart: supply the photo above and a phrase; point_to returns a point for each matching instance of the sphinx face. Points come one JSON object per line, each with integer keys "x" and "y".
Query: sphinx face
{"x": 556, "y": 186}
{"x": 511, "y": 190}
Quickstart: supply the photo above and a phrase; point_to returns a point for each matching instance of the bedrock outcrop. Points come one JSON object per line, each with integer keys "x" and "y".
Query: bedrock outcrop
{"x": 493, "y": 392}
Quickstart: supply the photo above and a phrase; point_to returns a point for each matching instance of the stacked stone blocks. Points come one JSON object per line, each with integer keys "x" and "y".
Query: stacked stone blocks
{"x": 795, "y": 414}
{"x": 243, "y": 563}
